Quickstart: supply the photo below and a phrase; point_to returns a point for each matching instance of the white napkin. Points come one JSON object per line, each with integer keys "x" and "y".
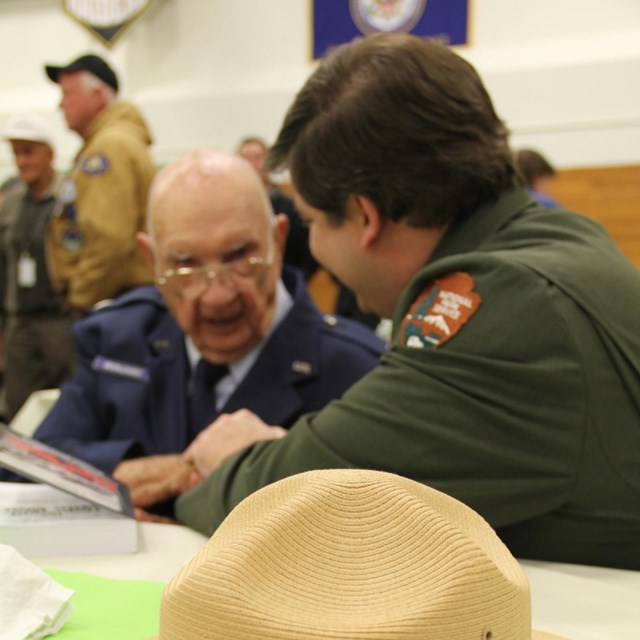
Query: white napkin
{"x": 32, "y": 605}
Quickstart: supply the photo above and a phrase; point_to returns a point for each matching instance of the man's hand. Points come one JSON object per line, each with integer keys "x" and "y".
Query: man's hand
{"x": 230, "y": 433}
{"x": 155, "y": 478}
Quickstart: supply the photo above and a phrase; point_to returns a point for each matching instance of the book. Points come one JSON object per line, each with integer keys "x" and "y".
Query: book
{"x": 79, "y": 510}
{"x": 39, "y": 520}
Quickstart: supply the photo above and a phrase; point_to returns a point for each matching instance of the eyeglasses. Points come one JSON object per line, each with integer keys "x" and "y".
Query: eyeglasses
{"x": 192, "y": 282}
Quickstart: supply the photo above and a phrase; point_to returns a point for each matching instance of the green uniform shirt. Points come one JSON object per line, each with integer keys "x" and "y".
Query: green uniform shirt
{"x": 513, "y": 384}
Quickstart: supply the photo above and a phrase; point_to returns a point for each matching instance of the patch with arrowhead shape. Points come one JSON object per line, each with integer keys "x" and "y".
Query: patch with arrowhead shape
{"x": 440, "y": 311}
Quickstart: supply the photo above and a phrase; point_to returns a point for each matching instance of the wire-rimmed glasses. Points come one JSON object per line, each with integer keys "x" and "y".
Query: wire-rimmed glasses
{"x": 192, "y": 282}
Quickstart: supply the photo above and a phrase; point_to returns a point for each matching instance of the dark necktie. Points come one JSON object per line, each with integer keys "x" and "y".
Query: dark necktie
{"x": 202, "y": 400}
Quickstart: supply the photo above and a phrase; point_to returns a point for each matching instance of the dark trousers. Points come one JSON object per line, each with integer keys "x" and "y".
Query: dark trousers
{"x": 38, "y": 354}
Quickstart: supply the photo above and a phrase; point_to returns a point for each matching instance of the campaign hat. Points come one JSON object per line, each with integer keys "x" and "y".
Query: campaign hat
{"x": 350, "y": 554}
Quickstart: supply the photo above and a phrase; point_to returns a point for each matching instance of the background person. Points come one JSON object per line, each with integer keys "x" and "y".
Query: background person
{"x": 513, "y": 379}
{"x": 111, "y": 176}
{"x": 296, "y": 252}
{"x": 36, "y": 322}
{"x": 538, "y": 175}
{"x": 223, "y": 303}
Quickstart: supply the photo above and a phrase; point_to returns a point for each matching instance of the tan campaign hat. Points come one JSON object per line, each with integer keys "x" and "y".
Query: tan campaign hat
{"x": 350, "y": 554}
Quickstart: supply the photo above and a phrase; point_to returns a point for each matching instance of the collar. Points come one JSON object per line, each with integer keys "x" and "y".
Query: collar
{"x": 50, "y": 192}
{"x": 471, "y": 231}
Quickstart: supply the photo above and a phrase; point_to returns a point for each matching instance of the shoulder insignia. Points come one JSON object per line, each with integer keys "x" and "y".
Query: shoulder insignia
{"x": 94, "y": 164}
{"x": 439, "y": 312}
{"x": 107, "y": 303}
{"x": 300, "y": 366}
{"x": 330, "y": 320}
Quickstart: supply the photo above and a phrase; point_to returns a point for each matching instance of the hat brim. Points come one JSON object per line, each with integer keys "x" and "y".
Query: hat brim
{"x": 53, "y": 72}
{"x": 543, "y": 635}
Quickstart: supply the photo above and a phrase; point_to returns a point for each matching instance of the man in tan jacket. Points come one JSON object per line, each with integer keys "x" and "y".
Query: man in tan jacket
{"x": 105, "y": 206}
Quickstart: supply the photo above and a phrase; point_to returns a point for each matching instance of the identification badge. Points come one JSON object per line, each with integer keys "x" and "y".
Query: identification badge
{"x": 26, "y": 271}
{"x": 120, "y": 368}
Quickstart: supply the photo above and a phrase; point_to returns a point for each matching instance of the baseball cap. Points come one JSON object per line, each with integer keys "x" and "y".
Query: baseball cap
{"x": 89, "y": 62}
{"x": 28, "y": 127}
{"x": 350, "y": 554}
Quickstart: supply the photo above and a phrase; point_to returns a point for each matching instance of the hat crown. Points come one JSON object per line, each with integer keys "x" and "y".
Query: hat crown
{"x": 350, "y": 554}
{"x": 30, "y": 127}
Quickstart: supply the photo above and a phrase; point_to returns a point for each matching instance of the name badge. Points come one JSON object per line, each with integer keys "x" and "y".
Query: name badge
{"x": 120, "y": 368}
{"x": 26, "y": 271}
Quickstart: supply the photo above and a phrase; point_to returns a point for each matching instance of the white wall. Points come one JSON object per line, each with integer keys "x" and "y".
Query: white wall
{"x": 564, "y": 74}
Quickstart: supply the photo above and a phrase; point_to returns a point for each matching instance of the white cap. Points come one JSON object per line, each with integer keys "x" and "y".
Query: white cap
{"x": 29, "y": 127}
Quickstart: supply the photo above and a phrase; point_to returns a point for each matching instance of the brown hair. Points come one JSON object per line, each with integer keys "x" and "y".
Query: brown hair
{"x": 401, "y": 120}
{"x": 533, "y": 165}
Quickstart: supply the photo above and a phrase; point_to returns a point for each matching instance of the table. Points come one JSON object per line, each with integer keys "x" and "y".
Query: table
{"x": 579, "y": 602}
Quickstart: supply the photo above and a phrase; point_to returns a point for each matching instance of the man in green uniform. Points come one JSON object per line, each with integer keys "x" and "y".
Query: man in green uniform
{"x": 513, "y": 380}
{"x": 111, "y": 179}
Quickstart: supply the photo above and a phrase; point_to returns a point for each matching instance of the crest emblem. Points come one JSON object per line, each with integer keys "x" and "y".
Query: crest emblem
{"x": 371, "y": 16}
{"x": 440, "y": 311}
{"x": 105, "y": 19}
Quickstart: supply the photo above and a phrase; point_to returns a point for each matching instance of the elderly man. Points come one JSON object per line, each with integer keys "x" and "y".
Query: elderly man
{"x": 111, "y": 178}
{"x": 513, "y": 380}
{"x": 223, "y": 331}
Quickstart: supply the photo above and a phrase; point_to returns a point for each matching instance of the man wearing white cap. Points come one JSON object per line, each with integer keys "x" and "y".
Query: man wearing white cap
{"x": 36, "y": 323}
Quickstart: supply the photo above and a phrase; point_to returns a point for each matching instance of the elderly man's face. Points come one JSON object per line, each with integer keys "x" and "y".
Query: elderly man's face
{"x": 79, "y": 105}
{"x": 33, "y": 161}
{"x": 219, "y": 224}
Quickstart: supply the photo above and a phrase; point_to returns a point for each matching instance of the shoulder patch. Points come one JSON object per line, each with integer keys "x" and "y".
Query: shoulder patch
{"x": 439, "y": 312}
{"x": 94, "y": 164}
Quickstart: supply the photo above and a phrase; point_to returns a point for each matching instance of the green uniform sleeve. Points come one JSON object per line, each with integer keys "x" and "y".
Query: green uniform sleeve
{"x": 494, "y": 417}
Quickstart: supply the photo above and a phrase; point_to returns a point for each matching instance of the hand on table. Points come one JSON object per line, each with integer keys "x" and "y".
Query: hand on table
{"x": 155, "y": 478}
{"x": 145, "y": 516}
{"x": 230, "y": 433}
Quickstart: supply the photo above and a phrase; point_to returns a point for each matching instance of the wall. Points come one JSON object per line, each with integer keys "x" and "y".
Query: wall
{"x": 564, "y": 75}
{"x": 610, "y": 195}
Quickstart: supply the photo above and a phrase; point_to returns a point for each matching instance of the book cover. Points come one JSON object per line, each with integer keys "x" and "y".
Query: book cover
{"x": 42, "y": 463}
{"x": 78, "y": 510}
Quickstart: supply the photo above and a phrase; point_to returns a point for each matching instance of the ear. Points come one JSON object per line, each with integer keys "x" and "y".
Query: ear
{"x": 281, "y": 231}
{"x": 145, "y": 244}
{"x": 369, "y": 217}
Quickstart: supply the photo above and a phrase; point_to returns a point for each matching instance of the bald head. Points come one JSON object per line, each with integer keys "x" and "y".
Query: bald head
{"x": 216, "y": 248}
{"x": 203, "y": 177}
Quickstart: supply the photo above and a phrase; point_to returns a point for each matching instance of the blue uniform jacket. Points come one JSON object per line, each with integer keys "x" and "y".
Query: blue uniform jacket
{"x": 128, "y": 396}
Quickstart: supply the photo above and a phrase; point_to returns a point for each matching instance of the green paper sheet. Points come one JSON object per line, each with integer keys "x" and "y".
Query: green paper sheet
{"x": 105, "y": 609}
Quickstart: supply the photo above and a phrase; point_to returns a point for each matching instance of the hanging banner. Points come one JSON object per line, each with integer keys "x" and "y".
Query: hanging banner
{"x": 106, "y": 19}
{"x": 339, "y": 21}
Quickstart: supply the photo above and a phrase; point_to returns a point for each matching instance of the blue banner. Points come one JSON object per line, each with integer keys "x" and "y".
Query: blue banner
{"x": 339, "y": 21}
